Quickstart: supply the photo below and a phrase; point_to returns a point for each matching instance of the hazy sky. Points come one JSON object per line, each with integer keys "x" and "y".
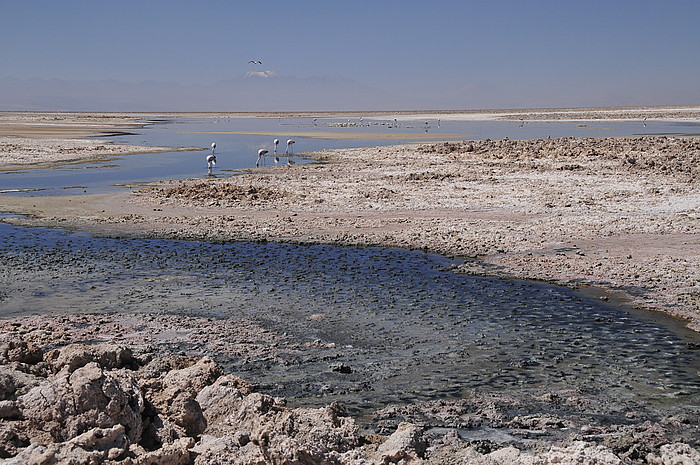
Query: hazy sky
{"x": 555, "y": 53}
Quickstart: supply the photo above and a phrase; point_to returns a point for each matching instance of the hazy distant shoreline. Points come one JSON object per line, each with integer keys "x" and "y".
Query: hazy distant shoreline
{"x": 689, "y": 112}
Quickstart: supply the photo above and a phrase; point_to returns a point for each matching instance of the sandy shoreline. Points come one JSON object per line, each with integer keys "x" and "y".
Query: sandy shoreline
{"x": 42, "y": 140}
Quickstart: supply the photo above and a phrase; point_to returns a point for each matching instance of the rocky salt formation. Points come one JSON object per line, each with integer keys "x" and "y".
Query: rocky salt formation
{"x": 103, "y": 403}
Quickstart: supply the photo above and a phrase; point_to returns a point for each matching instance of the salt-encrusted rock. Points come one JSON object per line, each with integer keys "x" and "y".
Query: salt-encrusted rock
{"x": 195, "y": 377}
{"x": 10, "y": 442}
{"x": 675, "y": 454}
{"x": 94, "y": 446}
{"x": 9, "y": 410}
{"x": 174, "y": 395}
{"x": 34, "y": 454}
{"x": 405, "y": 445}
{"x": 174, "y": 453}
{"x": 82, "y": 412}
{"x": 579, "y": 452}
{"x": 74, "y": 402}
{"x": 16, "y": 350}
{"x": 220, "y": 400}
{"x": 510, "y": 456}
{"x": 74, "y": 356}
{"x": 112, "y": 442}
{"x": 263, "y": 431}
{"x": 462, "y": 454}
{"x": 14, "y": 383}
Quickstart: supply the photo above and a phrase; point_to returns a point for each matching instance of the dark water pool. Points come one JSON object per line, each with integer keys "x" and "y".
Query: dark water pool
{"x": 405, "y": 328}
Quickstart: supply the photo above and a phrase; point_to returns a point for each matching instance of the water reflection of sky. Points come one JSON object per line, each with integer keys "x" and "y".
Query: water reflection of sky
{"x": 398, "y": 317}
{"x": 239, "y": 151}
{"x": 458, "y": 323}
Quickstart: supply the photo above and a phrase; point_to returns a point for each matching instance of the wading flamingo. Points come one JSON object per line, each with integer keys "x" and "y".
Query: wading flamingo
{"x": 261, "y": 155}
{"x": 289, "y": 150}
{"x": 276, "y": 142}
{"x": 211, "y": 162}
{"x": 290, "y": 142}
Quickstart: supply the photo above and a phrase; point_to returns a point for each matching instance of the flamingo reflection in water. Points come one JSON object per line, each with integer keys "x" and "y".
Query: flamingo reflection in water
{"x": 289, "y": 150}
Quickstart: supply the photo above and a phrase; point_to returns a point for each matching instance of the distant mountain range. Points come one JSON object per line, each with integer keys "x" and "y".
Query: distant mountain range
{"x": 259, "y": 91}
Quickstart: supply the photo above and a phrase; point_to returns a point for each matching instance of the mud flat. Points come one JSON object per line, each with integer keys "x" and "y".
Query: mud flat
{"x": 618, "y": 214}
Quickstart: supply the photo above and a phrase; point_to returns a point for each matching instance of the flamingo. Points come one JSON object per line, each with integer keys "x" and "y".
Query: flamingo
{"x": 261, "y": 154}
{"x": 290, "y": 143}
{"x": 276, "y": 142}
{"x": 213, "y": 147}
{"x": 211, "y": 162}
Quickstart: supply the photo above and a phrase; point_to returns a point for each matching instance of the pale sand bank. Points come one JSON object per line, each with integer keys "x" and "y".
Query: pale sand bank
{"x": 29, "y": 152}
{"x": 40, "y": 140}
{"x": 66, "y": 125}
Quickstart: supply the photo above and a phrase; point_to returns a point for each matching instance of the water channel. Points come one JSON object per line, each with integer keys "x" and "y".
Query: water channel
{"x": 405, "y": 327}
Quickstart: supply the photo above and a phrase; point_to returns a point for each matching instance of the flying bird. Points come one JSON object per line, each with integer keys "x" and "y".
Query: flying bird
{"x": 255, "y": 62}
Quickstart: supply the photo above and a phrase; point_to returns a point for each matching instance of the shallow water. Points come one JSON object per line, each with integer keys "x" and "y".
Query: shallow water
{"x": 239, "y": 151}
{"x": 407, "y": 328}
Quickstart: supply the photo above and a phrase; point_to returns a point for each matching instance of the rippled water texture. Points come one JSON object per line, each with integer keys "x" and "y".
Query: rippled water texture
{"x": 403, "y": 327}
{"x": 406, "y": 327}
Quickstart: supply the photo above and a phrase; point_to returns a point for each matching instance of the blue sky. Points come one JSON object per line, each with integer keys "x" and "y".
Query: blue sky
{"x": 516, "y": 53}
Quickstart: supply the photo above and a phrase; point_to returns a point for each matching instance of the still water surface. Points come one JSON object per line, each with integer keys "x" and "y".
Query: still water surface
{"x": 239, "y": 151}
